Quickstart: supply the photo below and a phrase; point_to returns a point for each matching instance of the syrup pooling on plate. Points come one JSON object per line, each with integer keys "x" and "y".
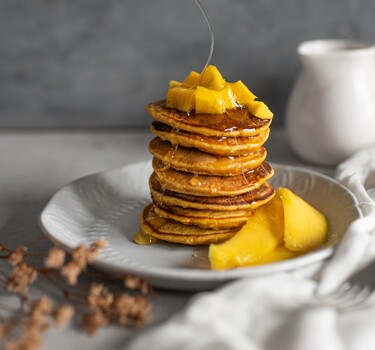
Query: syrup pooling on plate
{"x": 142, "y": 238}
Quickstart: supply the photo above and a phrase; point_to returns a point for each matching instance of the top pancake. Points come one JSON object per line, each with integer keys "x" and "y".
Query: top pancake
{"x": 232, "y": 123}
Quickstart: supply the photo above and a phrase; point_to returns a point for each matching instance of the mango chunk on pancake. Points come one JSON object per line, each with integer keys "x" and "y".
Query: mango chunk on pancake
{"x": 208, "y": 92}
{"x": 247, "y": 201}
{"x": 211, "y": 185}
{"x": 172, "y": 231}
{"x": 222, "y": 146}
{"x": 231, "y": 123}
{"x": 196, "y": 161}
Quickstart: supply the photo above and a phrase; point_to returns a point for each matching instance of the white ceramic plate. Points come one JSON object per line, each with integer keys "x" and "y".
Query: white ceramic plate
{"x": 107, "y": 205}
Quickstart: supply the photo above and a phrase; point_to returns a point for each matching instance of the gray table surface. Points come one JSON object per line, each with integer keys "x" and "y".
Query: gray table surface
{"x": 36, "y": 163}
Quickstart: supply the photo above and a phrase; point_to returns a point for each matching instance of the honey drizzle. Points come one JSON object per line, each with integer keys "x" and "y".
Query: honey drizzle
{"x": 211, "y": 34}
{"x": 167, "y": 162}
{"x": 143, "y": 238}
{"x": 241, "y": 165}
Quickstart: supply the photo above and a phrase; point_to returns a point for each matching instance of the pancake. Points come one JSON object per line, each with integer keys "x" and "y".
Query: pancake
{"x": 210, "y": 185}
{"x": 248, "y": 201}
{"x": 193, "y": 160}
{"x": 172, "y": 231}
{"x": 222, "y": 146}
{"x": 197, "y": 213}
{"x": 205, "y": 218}
{"x": 232, "y": 123}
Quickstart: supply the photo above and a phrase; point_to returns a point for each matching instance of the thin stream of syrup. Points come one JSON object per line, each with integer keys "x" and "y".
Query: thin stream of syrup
{"x": 211, "y": 34}
{"x": 208, "y": 62}
{"x": 212, "y": 39}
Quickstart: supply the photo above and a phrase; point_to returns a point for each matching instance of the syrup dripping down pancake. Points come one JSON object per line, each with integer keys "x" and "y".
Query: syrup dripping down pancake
{"x": 222, "y": 146}
{"x": 247, "y": 201}
{"x": 172, "y": 231}
{"x": 196, "y": 161}
{"x": 231, "y": 123}
{"x": 204, "y": 218}
{"x": 211, "y": 185}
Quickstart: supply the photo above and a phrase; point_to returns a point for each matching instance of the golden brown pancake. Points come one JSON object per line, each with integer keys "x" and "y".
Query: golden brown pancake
{"x": 232, "y": 123}
{"x": 205, "y": 218}
{"x": 193, "y": 160}
{"x": 210, "y": 185}
{"x": 197, "y": 213}
{"x": 222, "y": 146}
{"x": 247, "y": 201}
{"x": 172, "y": 231}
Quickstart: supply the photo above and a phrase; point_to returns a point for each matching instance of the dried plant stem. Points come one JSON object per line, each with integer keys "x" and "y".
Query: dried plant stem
{"x": 66, "y": 293}
{"x": 98, "y": 307}
{"x": 34, "y": 254}
{"x": 36, "y": 240}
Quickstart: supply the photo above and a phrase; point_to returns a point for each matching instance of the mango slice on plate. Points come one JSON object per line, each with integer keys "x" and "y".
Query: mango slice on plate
{"x": 278, "y": 254}
{"x": 281, "y": 229}
{"x": 262, "y": 233}
{"x": 305, "y": 228}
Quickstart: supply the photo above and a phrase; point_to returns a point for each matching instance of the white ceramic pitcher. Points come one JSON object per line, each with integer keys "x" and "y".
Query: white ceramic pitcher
{"x": 331, "y": 111}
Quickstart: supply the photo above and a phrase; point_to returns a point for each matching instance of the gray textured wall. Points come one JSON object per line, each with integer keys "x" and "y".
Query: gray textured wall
{"x": 98, "y": 62}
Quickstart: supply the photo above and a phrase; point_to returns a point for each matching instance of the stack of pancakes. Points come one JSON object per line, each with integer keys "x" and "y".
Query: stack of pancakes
{"x": 209, "y": 174}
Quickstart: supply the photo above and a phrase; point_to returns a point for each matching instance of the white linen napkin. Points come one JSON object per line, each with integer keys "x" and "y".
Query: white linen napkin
{"x": 266, "y": 313}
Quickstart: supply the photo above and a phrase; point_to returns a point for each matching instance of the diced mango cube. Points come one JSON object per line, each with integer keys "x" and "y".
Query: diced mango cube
{"x": 174, "y": 83}
{"x": 192, "y": 80}
{"x": 243, "y": 95}
{"x": 212, "y": 79}
{"x": 259, "y": 109}
{"x": 181, "y": 98}
{"x": 228, "y": 97}
{"x": 208, "y": 101}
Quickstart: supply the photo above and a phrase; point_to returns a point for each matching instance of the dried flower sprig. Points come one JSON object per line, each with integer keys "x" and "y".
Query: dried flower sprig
{"x": 81, "y": 256}
{"x": 96, "y": 307}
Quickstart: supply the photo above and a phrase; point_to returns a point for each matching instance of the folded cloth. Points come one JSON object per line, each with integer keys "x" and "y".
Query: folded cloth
{"x": 267, "y": 313}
